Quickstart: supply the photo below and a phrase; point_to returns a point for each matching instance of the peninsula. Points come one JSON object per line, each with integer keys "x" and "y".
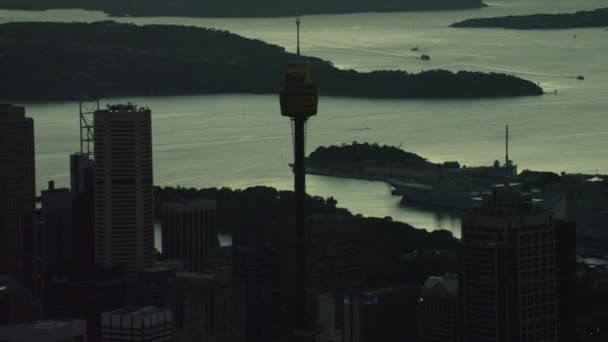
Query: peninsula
{"x": 582, "y": 19}
{"x": 67, "y": 61}
{"x": 239, "y": 8}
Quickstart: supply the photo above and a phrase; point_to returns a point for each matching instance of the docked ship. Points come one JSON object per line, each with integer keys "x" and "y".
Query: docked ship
{"x": 453, "y": 189}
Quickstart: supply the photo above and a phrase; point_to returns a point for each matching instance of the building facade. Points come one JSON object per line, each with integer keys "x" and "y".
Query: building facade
{"x": 124, "y": 203}
{"x": 142, "y": 324}
{"x": 385, "y": 314}
{"x": 189, "y": 233}
{"x": 438, "y": 309}
{"x": 17, "y": 193}
{"x": 509, "y": 269}
{"x": 210, "y": 307}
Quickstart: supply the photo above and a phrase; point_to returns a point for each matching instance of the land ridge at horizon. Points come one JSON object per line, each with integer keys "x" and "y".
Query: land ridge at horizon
{"x": 240, "y": 8}
{"x": 107, "y": 59}
{"x": 580, "y": 19}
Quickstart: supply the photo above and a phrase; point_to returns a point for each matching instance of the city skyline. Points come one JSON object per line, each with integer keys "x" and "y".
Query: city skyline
{"x": 399, "y": 213}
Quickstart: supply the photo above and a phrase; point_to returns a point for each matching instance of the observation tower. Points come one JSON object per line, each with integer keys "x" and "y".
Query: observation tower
{"x": 299, "y": 99}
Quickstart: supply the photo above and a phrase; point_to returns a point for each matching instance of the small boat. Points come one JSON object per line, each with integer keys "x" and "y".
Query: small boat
{"x": 415, "y": 48}
{"x": 580, "y": 77}
{"x": 425, "y": 57}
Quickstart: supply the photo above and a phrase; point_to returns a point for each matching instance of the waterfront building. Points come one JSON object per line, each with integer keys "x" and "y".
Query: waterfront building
{"x": 438, "y": 309}
{"x": 137, "y": 324}
{"x": 124, "y": 202}
{"x": 48, "y": 330}
{"x": 189, "y": 233}
{"x": 17, "y": 193}
{"x": 509, "y": 269}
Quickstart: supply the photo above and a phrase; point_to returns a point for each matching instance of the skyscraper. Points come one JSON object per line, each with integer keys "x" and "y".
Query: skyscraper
{"x": 17, "y": 193}
{"x": 124, "y": 203}
{"x": 189, "y": 232}
{"x": 509, "y": 269}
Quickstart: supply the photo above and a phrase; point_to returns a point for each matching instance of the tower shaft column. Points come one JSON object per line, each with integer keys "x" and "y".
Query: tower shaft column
{"x": 300, "y": 233}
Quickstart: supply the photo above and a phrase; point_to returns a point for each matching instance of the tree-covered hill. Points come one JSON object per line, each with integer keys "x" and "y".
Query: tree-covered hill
{"x": 240, "y": 8}
{"x": 595, "y": 18}
{"x": 64, "y": 61}
{"x": 361, "y": 153}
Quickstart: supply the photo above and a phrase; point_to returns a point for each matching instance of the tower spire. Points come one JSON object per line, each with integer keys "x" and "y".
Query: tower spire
{"x": 298, "y": 34}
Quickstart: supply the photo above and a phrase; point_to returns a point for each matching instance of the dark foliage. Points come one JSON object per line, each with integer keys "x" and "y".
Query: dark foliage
{"x": 266, "y": 214}
{"x": 538, "y": 179}
{"x": 596, "y": 18}
{"x": 64, "y": 61}
{"x": 361, "y": 153}
{"x": 240, "y": 8}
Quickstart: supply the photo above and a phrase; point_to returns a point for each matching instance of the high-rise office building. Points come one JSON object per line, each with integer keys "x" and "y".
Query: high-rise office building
{"x": 189, "y": 233}
{"x": 124, "y": 203}
{"x": 137, "y": 324}
{"x": 17, "y": 193}
{"x": 509, "y": 270}
{"x": 438, "y": 309}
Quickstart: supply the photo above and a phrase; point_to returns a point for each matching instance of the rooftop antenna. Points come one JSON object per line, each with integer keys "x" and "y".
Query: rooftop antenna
{"x": 298, "y": 34}
{"x": 507, "y": 166}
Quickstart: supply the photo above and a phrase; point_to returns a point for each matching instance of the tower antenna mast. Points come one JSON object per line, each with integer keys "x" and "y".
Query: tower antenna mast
{"x": 298, "y": 34}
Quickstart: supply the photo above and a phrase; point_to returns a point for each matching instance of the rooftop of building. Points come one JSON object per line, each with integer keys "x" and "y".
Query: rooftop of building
{"x": 47, "y": 324}
{"x": 126, "y": 107}
{"x": 11, "y": 112}
{"x": 447, "y": 283}
{"x": 138, "y": 311}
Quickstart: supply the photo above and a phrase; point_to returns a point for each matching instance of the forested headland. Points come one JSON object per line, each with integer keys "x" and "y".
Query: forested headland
{"x": 66, "y": 61}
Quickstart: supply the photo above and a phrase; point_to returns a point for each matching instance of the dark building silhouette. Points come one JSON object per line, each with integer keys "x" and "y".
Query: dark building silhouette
{"x": 155, "y": 286}
{"x": 83, "y": 216}
{"x": 16, "y": 302}
{"x": 210, "y": 307}
{"x": 386, "y": 314}
{"x": 17, "y": 193}
{"x": 439, "y": 310}
{"x": 509, "y": 269}
{"x": 57, "y": 251}
{"x": 45, "y": 330}
{"x": 256, "y": 266}
{"x": 124, "y": 200}
{"x": 137, "y": 324}
{"x": 189, "y": 232}
{"x": 565, "y": 233}
{"x": 86, "y": 299}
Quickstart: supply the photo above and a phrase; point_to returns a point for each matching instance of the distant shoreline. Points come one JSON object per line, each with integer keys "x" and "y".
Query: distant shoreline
{"x": 581, "y": 19}
{"x": 240, "y": 8}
